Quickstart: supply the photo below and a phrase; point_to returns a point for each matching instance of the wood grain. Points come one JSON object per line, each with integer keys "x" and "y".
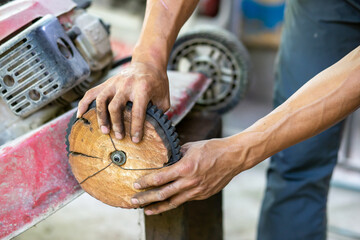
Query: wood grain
{"x": 92, "y": 167}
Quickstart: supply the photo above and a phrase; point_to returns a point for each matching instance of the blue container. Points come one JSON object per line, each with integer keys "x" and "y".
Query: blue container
{"x": 262, "y": 15}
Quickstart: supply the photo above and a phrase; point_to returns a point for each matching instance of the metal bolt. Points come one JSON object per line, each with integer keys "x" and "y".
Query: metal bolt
{"x": 118, "y": 157}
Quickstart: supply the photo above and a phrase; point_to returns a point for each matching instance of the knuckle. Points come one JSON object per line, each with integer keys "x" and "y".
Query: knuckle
{"x": 186, "y": 168}
{"x": 172, "y": 204}
{"x": 142, "y": 182}
{"x": 171, "y": 187}
{"x": 200, "y": 197}
{"x": 192, "y": 195}
{"x": 113, "y": 106}
{"x": 88, "y": 93}
{"x": 141, "y": 97}
{"x": 100, "y": 99}
{"x": 144, "y": 87}
{"x": 160, "y": 195}
{"x": 194, "y": 182}
{"x": 204, "y": 192}
{"x": 198, "y": 190}
{"x": 81, "y": 105}
{"x": 128, "y": 82}
{"x": 157, "y": 179}
{"x": 198, "y": 194}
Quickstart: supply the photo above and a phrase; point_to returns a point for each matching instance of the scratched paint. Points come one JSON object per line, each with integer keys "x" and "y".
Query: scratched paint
{"x": 35, "y": 178}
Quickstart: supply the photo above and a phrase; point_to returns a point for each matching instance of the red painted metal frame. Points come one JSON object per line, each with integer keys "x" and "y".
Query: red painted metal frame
{"x": 17, "y": 14}
{"x": 35, "y": 178}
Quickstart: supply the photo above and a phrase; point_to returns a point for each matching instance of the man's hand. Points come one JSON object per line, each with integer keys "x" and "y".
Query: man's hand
{"x": 206, "y": 168}
{"x": 145, "y": 79}
{"x": 139, "y": 83}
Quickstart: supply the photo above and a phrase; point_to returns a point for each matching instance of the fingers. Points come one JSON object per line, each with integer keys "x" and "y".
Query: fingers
{"x": 116, "y": 109}
{"x": 164, "y": 206}
{"x": 169, "y": 204}
{"x": 168, "y": 194}
{"x": 86, "y": 100}
{"x": 157, "y": 178}
{"x": 138, "y": 114}
{"x": 138, "y": 83}
{"x": 102, "y": 110}
{"x": 159, "y": 194}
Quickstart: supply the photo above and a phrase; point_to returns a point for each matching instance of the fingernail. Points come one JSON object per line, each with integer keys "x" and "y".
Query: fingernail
{"x": 137, "y": 186}
{"x": 136, "y": 138}
{"x": 149, "y": 212}
{"x": 104, "y": 129}
{"x": 134, "y": 201}
{"x": 118, "y": 135}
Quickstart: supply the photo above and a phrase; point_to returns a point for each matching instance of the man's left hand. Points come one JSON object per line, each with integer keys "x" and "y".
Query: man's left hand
{"x": 206, "y": 168}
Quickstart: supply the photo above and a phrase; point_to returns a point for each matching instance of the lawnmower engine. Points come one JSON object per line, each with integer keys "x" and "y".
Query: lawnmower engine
{"x": 50, "y": 55}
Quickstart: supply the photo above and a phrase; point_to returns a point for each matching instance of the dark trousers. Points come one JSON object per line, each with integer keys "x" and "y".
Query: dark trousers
{"x": 316, "y": 34}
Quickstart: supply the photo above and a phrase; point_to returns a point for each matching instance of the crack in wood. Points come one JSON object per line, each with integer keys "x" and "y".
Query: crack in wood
{"x": 83, "y": 154}
{"x": 135, "y": 169}
{"x": 143, "y": 169}
{"x": 112, "y": 142}
{"x": 92, "y": 175}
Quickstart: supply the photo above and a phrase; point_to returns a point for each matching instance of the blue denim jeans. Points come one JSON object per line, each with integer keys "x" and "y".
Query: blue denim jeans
{"x": 316, "y": 34}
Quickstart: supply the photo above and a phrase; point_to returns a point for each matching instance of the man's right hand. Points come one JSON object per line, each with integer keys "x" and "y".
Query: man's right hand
{"x": 139, "y": 83}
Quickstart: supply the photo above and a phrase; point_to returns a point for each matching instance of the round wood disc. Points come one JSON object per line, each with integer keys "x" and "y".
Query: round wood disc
{"x": 92, "y": 166}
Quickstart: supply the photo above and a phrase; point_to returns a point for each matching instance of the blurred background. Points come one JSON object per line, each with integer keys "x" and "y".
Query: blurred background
{"x": 258, "y": 25}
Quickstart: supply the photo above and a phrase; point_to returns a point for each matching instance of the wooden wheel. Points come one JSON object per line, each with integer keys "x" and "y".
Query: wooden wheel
{"x": 105, "y": 167}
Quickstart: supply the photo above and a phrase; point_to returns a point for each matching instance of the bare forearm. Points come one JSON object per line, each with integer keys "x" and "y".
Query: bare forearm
{"x": 207, "y": 166}
{"x": 163, "y": 21}
{"x": 325, "y": 100}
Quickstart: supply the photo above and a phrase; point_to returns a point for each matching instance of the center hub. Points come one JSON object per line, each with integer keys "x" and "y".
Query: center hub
{"x": 118, "y": 157}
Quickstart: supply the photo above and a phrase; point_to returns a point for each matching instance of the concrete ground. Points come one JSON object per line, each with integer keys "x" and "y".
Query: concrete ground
{"x": 87, "y": 218}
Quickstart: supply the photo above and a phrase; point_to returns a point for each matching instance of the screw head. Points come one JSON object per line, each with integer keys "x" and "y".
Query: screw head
{"x": 118, "y": 157}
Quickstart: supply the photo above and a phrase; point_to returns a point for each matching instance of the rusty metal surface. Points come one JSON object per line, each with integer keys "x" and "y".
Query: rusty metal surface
{"x": 35, "y": 178}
